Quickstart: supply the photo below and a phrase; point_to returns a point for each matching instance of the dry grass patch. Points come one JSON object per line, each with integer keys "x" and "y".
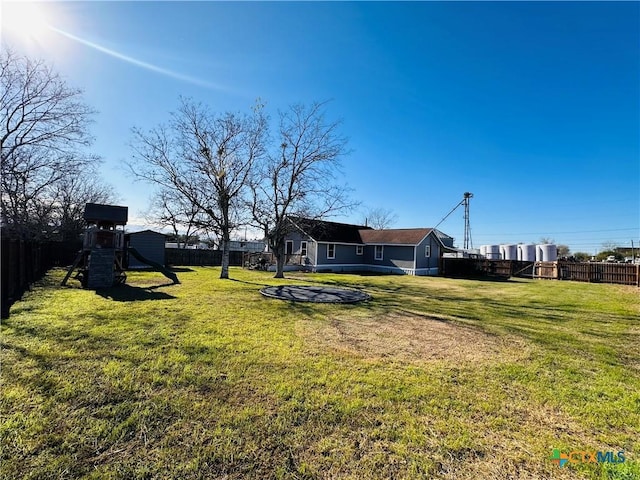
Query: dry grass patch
{"x": 631, "y": 357}
{"x": 410, "y": 337}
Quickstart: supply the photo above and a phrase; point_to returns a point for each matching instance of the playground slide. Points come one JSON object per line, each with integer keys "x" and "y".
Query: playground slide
{"x": 167, "y": 273}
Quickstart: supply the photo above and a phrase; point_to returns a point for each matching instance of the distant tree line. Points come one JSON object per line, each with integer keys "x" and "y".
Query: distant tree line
{"x": 607, "y": 250}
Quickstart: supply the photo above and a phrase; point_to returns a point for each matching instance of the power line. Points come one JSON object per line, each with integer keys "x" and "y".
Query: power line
{"x": 467, "y": 227}
{"x": 561, "y": 233}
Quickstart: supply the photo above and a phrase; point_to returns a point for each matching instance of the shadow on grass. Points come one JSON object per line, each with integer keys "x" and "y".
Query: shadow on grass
{"x": 181, "y": 269}
{"x": 483, "y": 278}
{"x": 249, "y": 283}
{"x": 153, "y": 269}
{"x": 128, "y": 293}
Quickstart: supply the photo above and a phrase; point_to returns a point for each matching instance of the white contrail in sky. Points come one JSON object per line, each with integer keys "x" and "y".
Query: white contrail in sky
{"x": 138, "y": 63}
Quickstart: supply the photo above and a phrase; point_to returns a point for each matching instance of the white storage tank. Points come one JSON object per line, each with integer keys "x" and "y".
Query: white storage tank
{"x": 509, "y": 252}
{"x": 527, "y": 253}
{"x": 483, "y": 250}
{"x": 547, "y": 253}
{"x": 493, "y": 252}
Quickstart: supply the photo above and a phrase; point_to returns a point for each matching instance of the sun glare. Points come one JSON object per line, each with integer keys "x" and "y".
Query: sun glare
{"x": 25, "y": 22}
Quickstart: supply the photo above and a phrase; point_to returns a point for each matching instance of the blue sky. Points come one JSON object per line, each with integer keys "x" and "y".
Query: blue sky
{"x": 533, "y": 107}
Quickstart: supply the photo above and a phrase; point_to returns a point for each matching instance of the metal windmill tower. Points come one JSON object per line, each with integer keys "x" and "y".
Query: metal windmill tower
{"x": 467, "y": 227}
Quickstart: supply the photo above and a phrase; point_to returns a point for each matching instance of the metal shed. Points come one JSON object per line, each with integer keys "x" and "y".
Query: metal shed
{"x": 150, "y": 245}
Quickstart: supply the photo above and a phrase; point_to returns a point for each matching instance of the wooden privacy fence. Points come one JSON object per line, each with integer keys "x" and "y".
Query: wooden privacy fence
{"x": 622, "y": 273}
{"x": 256, "y": 260}
{"x": 480, "y": 267}
{"x": 26, "y": 261}
{"x": 197, "y": 257}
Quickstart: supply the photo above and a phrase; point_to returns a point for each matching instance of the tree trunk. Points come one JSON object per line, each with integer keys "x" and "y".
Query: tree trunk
{"x": 279, "y": 253}
{"x": 224, "y": 271}
{"x": 226, "y": 234}
{"x": 280, "y": 258}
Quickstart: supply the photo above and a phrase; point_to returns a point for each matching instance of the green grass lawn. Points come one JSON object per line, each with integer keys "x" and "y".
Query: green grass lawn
{"x": 432, "y": 378}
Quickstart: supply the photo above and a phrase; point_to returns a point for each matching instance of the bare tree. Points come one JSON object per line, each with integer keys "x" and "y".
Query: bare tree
{"x": 170, "y": 209}
{"x": 72, "y": 194}
{"x": 564, "y": 251}
{"x": 380, "y": 218}
{"x": 207, "y": 158}
{"x": 43, "y": 135}
{"x": 300, "y": 178}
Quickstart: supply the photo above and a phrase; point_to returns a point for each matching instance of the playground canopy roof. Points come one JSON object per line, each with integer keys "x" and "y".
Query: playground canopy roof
{"x": 95, "y": 212}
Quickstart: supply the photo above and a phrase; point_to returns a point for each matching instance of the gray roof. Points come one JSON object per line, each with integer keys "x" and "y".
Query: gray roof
{"x": 147, "y": 231}
{"x": 323, "y": 231}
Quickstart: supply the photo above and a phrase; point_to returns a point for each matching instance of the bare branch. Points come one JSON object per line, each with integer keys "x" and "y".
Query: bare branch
{"x": 380, "y": 218}
{"x": 43, "y": 136}
{"x": 207, "y": 159}
{"x": 300, "y": 176}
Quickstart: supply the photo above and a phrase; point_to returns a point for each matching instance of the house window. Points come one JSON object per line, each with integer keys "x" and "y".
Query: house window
{"x": 331, "y": 250}
{"x": 379, "y": 253}
{"x": 303, "y": 249}
{"x": 359, "y": 249}
{"x": 288, "y": 247}
{"x": 427, "y": 250}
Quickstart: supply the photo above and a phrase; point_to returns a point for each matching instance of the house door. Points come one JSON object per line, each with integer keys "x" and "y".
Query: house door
{"x": 288, "y": 247}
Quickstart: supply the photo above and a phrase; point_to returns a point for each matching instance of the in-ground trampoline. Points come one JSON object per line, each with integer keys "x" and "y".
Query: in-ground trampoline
{"x": 317, "y": 294}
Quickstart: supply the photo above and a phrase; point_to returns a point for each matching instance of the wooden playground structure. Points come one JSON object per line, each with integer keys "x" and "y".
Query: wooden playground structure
{"x": 100, "y": 263}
